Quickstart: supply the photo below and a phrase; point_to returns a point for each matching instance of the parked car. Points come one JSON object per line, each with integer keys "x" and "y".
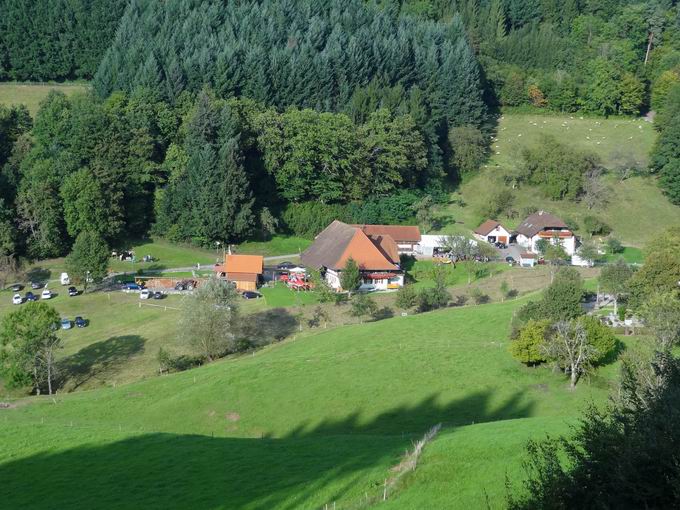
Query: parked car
{"x": 65, "y": 323}
{"x": 145, "y": 294}
{"x": 72, "y": 291}
{"x": 16, "y": 299}
{"x": 16, "y": 287}
{"x": 367, "y": 287}
{"x": 185, "y": 285}
{"x": 249, "y": 294}
{"x": 158, "y": 295}
{"x": 80, "y": 322}
{"x": 31, "y": 297}
{"x": 510, "y": 260}
{"x": 501, "y": 246}
{"x": 36, "y": 285}
{"x": 132, "y": 286}
{"x": 46, "y": 294}
{"x": 285, "y": 266}
{"x": 65, "y": 280}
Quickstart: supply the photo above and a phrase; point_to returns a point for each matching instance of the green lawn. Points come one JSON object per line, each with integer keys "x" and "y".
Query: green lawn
{"x": 281, "y": 296}
{"x": 168, "y": 255}
{"x": 629, "y": 254}
{"x": 121, "y": 341}
{"x": 301, "y": 424}
{"x": 31, "y": 94}
{"x": 636, "y": 211}
{"x": 421, "y": 272}
{"x": 275, "y": 247}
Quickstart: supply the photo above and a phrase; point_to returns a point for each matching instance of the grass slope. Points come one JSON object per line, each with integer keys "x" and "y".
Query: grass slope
{"x": 297, "y": 425}
{"x": 637, "y": 210}
{"x": 31, "y": 94}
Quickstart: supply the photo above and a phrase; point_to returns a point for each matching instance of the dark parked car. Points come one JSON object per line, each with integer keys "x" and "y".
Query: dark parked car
{"x": 285, "y": 266}
{"x": 501, "y": 246}
{"x": 249, "y": 294}
{"x": 132, "y": 286}
{"x": 72, "y": 291}
{"x": 36, "y": 285}
{"x": 16, "y": 287}
{"x": 31, "y": 297}
{"x": 80, "y": 322}
{"x": 510, "y": 260}
{"x": 158, "y": 295}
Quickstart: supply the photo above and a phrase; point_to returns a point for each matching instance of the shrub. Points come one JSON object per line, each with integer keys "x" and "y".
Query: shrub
{"x": 526, "y": 348}
{"x": 595, "y": 226}
{"x": 407, "y": 297}
{"x": 614, "y": 246}
{"x": 478, "y": 296}
{"x": 601, "y": 337}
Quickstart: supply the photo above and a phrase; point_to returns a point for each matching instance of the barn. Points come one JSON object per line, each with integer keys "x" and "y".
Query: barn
{"x": 244, "y": 271}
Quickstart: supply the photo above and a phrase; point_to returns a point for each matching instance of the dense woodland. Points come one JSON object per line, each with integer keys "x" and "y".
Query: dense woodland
{"x": 44, "y": 40}
{"x": 221, "y": 121}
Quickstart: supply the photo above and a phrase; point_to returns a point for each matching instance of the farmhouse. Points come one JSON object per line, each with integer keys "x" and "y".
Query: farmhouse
{"x": 407, "y": 237}
{"x": 245, "y": 271}
{"x": 543, "y": 225}
{"x": 492, "y": 231}
{"x": 376, "y": 254}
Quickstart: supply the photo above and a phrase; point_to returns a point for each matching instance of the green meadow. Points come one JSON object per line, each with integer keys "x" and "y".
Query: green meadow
{"x": 636, "y": 209}
{"x": 301, "y": 424}
{"x": 31, "y": 94}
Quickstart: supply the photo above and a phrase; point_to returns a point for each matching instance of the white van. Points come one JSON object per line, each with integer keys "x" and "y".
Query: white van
{"x": 65, "y": 280}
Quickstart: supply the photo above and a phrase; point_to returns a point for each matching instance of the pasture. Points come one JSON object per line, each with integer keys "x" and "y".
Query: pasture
{"x": 31, "y": 94}
{"x": 636, "y": 210}
{"x": 319, "y": 420}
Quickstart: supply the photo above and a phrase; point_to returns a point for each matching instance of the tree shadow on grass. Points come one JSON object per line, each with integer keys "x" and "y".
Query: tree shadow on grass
{"x": 269, "y": 326}
{"x": 99, "y": 359}
{"x": 38, "y": 274}
{"x": 334, "y": 460}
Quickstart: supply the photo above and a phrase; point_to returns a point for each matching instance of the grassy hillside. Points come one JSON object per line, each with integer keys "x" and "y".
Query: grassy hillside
{"x": 636, "y": 210}
{"x": 300, "y": 424}
{"x": 31, "y": 94}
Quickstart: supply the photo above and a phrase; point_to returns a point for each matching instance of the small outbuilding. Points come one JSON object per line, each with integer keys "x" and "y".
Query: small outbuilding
{"x": 492, "y": 231}
{"x": 527, "y": 259}
{"x": 244, "y": 271}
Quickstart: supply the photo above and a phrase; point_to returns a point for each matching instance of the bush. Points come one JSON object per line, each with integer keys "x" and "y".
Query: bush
{"x": 601, "y": 337}
{"x": 614, "y": 246}
{"x": 526, "y": 348}
{"x": 479, "y": 297}
{"x": 407, "y": 297}
{"x": 595, "y": 226}
{"x": 169, "y": 363}
{"x": 433, "y": 298}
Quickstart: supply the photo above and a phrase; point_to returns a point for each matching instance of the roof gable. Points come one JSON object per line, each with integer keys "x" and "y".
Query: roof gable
{"x": 486, "y": 227}
{"x": 538, "y": 221}
{"x": 364, "y": 252}
{"x": 339, "y": 241}
{"x": 399, "y": 233}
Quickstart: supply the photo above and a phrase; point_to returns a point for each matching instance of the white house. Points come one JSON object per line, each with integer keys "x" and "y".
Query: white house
{"x": 492, "y": 231}
{"x": 543, "y": 225}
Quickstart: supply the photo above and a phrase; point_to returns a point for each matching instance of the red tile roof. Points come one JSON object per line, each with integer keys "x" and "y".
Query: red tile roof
{"x": 486, "y": 227}
{"x": 253, "y": 264}
{"x": 338, "y": 242}
{"x": 400, "y": 233}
